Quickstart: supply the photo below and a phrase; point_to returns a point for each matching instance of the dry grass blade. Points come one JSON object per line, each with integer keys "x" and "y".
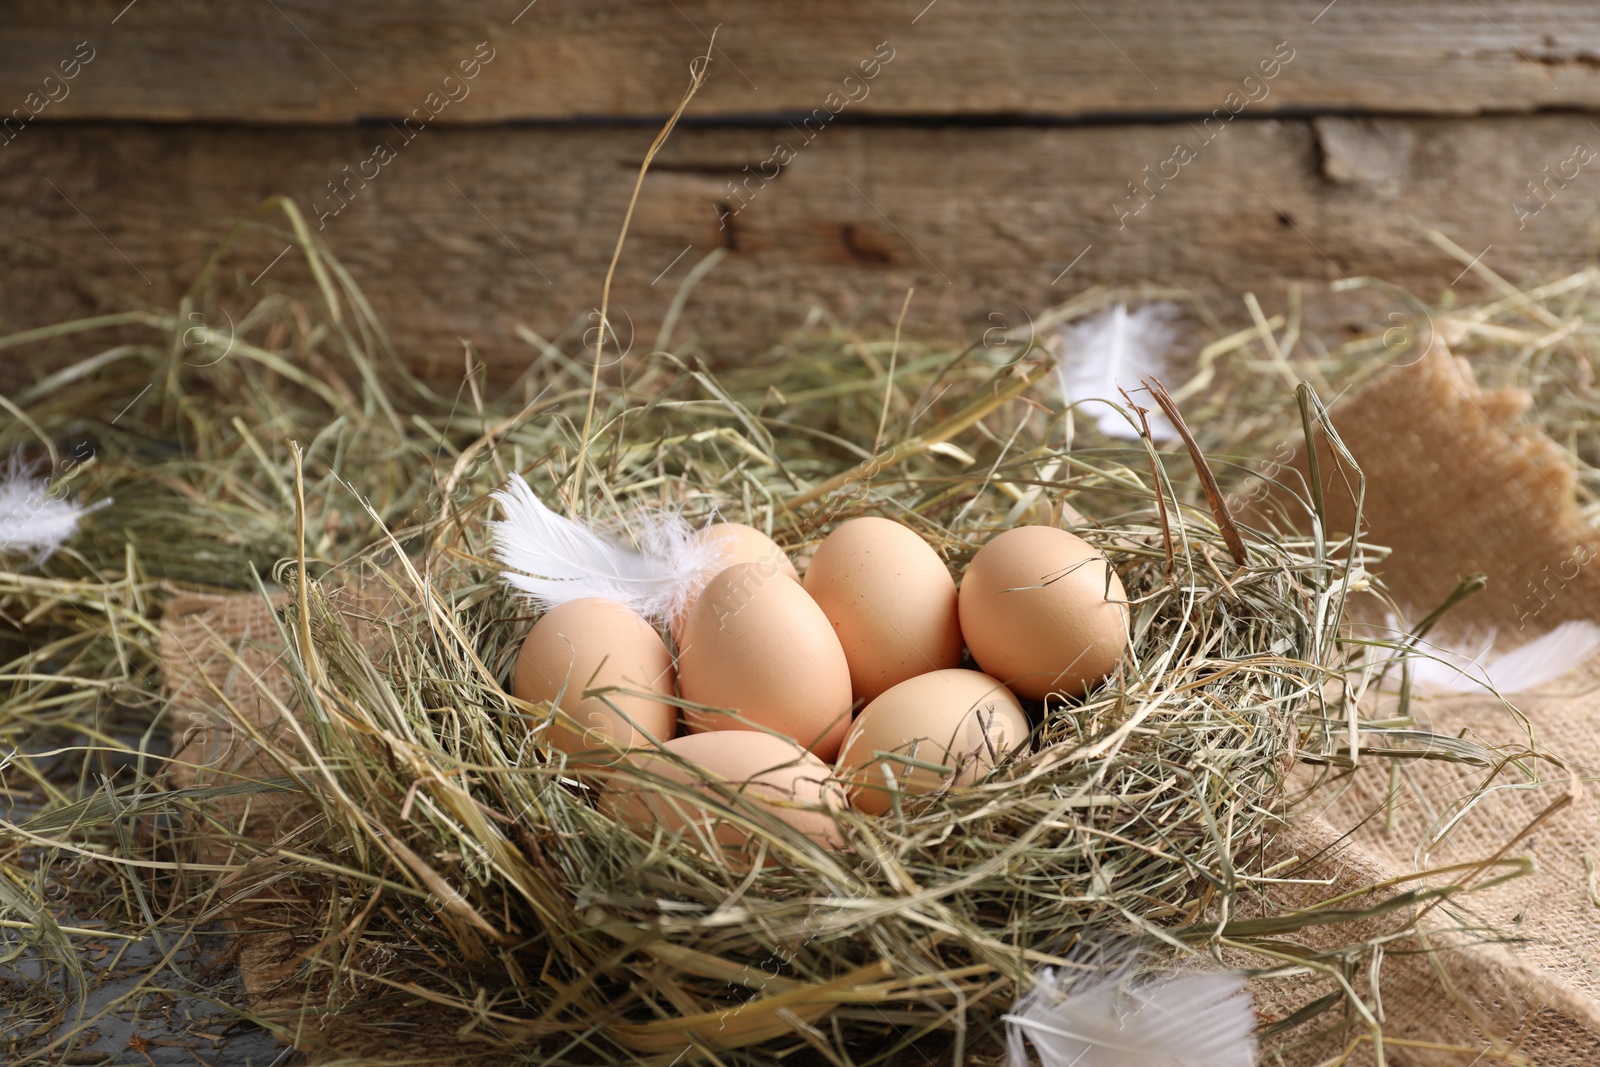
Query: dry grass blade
{"x": 1208, "y": 480}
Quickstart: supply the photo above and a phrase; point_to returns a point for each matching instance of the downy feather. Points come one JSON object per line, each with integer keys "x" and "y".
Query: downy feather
{"x": 1471, "y": 665}
{"x": 554, "y": 559}
{"x": 1108, "y": 1019}
{"x": 1111, "y": 351}
{"x": 33, "y": 522}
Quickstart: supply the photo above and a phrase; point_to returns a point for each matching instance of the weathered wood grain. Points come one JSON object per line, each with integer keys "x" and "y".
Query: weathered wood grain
{"x": 306, "y": 61}
{"x": 470, "y": 232}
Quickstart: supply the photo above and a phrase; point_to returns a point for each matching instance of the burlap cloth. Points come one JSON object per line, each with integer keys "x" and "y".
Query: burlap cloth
{"x": 232, "y": 701}
{"x": 1456, "y": 485}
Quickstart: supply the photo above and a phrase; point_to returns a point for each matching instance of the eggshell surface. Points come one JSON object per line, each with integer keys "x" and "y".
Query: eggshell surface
{"x": 776, "y": 775}
{"x": 1043, "y": 611}
{"x": 963, "y": 720}
{"x": 738, "y": 543}
{"x": 757, "y": 644}
{"x": 590, "y": 643}
{"x": 735, "y": 542}
{"x": 890, "y": 600}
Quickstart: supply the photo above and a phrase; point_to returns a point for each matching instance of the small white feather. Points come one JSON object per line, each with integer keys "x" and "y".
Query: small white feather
{"x": 1111, "y": 351}
{"x": 1458, "y": 668}
{"x": 1547, "y": 658}
{"x": 554, "y": 559}
{"x": 34, "y": 522}
{"x": 1110, "y": 1020}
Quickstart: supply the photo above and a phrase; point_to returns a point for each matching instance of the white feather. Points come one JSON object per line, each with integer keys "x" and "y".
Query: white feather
{"x": 1111, "y": 351}
{"x": 1111, "y": 1020}
{"x": 1458, "y": 668}
{"x": 554, "y": 559}
{"x": 33, "y": 521}
{"x": 1546, "y": 658}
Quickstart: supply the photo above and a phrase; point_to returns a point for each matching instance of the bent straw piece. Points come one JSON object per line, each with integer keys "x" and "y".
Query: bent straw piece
{"x": 697, "y": 77}
{"x": 1208, "y": 480}
{"x": 749, "y": 1023}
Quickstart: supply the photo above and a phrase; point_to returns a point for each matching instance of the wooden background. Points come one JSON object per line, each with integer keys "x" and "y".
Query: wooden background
{"x": 988, "y": 163}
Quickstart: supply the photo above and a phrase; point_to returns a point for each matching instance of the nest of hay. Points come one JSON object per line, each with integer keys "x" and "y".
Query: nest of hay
{"x": 1132, "y": 816}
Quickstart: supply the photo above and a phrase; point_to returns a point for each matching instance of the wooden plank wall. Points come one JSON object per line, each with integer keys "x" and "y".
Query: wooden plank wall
{"x": 471, "y": 162}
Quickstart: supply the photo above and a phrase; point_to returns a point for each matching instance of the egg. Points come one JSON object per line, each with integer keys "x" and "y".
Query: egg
{"x": 757, "y": 644}
{"x": 890, "y": 599}
{"x": 590, "y": 643}
{"x": 778, "y": 776}
{"x": 735, "y": 542}
{"x": 1043, "y": 611}
{"x": 738, "y": 543}
{"x": 962, "y": 720}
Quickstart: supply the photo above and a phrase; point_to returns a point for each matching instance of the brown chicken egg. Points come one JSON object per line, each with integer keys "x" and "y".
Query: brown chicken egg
{"x": 1042, "y": 610}
{"x": 960, "y": 720}
{"x": 890, "y": 599}
{"x": 757, "y": 644}
{"x": 591, "y": 643}
{"x": 735, "y": 543}
{"x": 738, "y": 543}
{"x": 779, "y": 776}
